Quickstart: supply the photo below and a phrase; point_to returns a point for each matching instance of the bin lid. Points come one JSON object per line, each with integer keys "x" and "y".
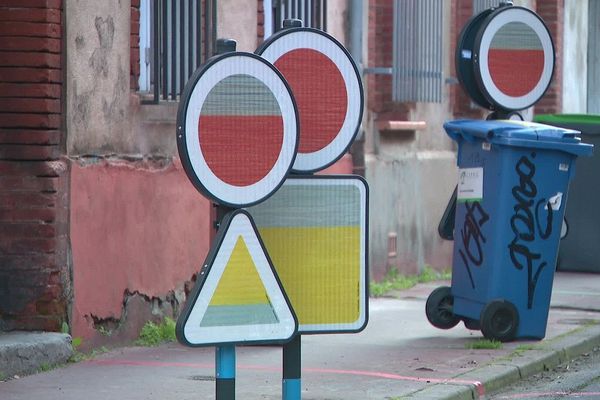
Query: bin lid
{"x": 586, "y": 123}
{"x": 519, "y": 134}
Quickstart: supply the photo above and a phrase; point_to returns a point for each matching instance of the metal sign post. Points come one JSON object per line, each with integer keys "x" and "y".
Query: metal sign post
{"x": 292, "y": 369}
{"x": 237, "y": 135}
{"x": 238, "y": 139}
{"x": 328, "y": 90}
{"x": 225, "y": 360}
{"x": 225, "y": 372}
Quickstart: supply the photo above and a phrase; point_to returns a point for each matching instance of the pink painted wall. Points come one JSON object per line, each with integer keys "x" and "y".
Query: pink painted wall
{"x": 134, "y": 227}
{"x": 341, "y": 166}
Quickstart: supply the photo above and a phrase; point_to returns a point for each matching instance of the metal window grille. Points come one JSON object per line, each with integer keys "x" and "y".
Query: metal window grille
{"x": 417, "y": 58}
{"x": 313, "y": 13}
{"x": 178, "y": 36}
{"x": 482, "y": 5}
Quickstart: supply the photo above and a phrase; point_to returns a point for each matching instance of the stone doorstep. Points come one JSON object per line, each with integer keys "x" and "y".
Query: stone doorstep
{"x": 23, "y": 353}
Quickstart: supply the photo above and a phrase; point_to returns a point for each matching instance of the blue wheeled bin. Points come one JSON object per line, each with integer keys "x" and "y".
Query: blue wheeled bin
{"x": 512, "y": 190}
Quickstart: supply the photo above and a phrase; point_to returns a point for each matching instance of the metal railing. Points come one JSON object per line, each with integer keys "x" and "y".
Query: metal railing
{"x": 481, "y": 5}
{"x": 417, "y": 59}
{"x": 181, "y": 36}
{"x": 313, "y": 13}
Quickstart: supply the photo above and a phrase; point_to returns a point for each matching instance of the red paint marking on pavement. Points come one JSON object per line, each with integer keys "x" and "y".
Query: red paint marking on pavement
{"x": 478, "y": 385}
{"x": 134, "y": 363}
{"x": 383, "y": 375}
{"x": 535, "y": 395}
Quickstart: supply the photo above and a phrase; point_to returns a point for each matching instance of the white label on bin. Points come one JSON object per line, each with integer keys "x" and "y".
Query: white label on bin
{"x": 564, "y": 167}
{"x": 470, "y": 184}
{"x": 555, "y": 202}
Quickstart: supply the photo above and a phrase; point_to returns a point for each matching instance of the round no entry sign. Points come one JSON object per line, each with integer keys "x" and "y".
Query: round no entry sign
{"x": 327, "y": 88}
{"x": 509, "y": 53}
{"x": 237, "y": 129}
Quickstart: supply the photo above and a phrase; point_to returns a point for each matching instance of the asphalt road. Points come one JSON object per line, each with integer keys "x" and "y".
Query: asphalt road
{"x": 578, "y": 379}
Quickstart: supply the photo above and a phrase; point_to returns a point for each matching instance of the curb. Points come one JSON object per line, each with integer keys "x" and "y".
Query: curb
{"x": 506, "y": 371}
{"x": 23, "y": 353}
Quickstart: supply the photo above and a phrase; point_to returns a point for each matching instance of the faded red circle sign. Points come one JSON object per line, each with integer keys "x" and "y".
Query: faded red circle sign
{"x": 516, "y": 47}
{"x": 237, "y": 129}
{"x": 240, "y": 159}
{"x": 327, "y": 88}
{"x": 323, "y": 100}
{"x": 514, "y": 57}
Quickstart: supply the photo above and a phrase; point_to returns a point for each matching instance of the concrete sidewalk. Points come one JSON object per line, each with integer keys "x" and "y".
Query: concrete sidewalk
{"x": 399, "y": 355}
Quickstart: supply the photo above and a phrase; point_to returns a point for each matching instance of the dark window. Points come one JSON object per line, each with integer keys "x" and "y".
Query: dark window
{"x": 176, "y": 37}
{"x": 481, "y": 5}
{"x": 313, "y": 13}
{"x": 417, "y": 59}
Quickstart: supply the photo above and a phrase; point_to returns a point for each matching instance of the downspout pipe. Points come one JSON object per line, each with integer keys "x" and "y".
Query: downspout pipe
{"x": 356, "y": 50}
{"x": 356, "y": 32}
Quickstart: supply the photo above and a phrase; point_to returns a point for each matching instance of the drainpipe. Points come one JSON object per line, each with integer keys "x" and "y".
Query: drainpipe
{"x": 356, "y": 49}
{"x": 356, "y": 20}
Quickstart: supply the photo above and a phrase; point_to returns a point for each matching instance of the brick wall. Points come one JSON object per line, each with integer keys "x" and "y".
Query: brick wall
{"x": 134, "y": 44}
{"x": 34, "y": 278}
{"x": 461, "y": 103}
{"x": 552, "y": 12}
{"x": 380, "y": 39}
{"x": 260, "y": 18}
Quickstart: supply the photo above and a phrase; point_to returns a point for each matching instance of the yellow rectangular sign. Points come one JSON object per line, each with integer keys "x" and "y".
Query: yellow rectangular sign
{"x": 315, "y": 231}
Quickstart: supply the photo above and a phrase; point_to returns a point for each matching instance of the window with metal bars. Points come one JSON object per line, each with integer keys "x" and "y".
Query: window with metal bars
{"x": 313, "y": 13}
{"x": 482, "y": 5}
{"x": 176, "y": 37}
{"x": 417, "y": 73}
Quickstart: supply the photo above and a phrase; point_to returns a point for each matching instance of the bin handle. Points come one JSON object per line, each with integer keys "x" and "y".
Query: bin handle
{"x": 446, "y": 225}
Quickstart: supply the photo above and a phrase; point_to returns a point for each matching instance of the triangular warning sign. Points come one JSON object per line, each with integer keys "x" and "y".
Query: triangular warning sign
{"x": 238, "y": 298}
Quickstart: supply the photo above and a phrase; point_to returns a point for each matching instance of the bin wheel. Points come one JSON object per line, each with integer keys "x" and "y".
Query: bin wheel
{"x": 499, "y": 321}
{"x": 438, "y": 308}
{"x": 472, "y": 324}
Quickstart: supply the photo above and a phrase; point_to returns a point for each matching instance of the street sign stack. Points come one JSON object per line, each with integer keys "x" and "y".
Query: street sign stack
{"x": 290, "y": 254}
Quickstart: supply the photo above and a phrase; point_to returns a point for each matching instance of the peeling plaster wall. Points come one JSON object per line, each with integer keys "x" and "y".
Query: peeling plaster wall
{"x": 337, "y": 20}
{"x": 238, "y": 20}
{"x": 136, "y": 229}
{"x": 411, "y": 175}
{"x": 97, "y": 64}
{"x": 139, "y": 230}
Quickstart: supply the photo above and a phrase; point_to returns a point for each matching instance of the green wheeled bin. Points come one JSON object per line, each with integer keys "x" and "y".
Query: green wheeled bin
{"x": 579, "y": 250}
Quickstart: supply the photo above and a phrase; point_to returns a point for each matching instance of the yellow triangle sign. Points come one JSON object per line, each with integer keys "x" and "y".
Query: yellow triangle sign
{"x": 238, "y": 297}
